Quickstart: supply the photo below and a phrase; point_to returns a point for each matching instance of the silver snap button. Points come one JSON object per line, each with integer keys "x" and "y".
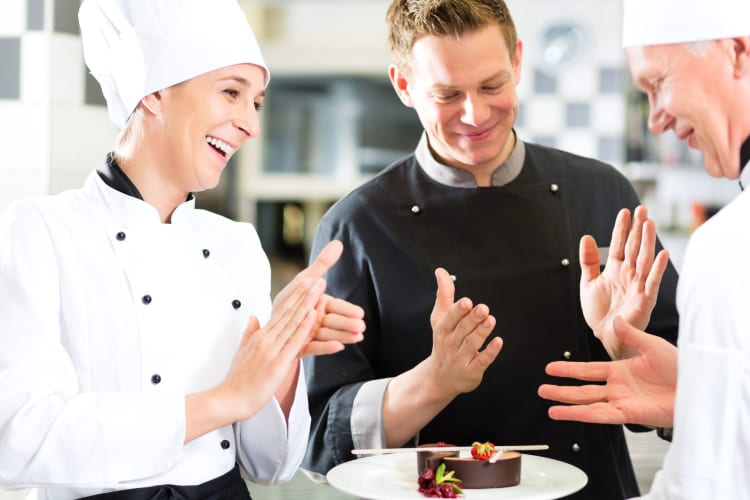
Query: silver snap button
{"x": 453, "y": 277}
{"x": 567, "y": 355}
{"x": 415, "y": 209}
{"x": 576, "y": 447}
{"x": 554, "y": 188}
{"x": 565, "y": 262}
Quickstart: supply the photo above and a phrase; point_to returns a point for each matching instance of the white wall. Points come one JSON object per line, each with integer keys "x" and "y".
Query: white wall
{"x": 49, "y": 137}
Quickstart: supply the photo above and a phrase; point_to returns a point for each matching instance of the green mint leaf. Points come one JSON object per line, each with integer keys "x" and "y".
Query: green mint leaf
{"x": 439, "y": 473}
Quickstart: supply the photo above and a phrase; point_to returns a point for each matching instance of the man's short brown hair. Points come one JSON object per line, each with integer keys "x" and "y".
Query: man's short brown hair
{"x": 409, "y": 20}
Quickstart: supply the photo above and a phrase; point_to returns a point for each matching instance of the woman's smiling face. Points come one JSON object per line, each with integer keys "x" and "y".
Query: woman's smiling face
{"x": 205, "y": 120}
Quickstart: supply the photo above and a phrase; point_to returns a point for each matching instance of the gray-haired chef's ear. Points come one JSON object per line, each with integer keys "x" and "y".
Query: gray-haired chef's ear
{"x": 741, "y": 47}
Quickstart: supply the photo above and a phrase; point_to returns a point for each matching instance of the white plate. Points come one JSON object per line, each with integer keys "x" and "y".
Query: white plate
{"x": 394, "y": 477}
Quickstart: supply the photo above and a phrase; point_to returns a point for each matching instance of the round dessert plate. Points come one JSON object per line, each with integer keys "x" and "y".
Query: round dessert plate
{"x": 394, "y": 477}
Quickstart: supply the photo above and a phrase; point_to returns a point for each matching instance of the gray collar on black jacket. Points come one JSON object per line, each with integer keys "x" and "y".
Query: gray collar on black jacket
{"x": 457, "y": 177}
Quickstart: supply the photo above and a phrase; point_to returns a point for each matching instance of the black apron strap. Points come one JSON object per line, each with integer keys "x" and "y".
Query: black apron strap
{"x": 229, "y": 486}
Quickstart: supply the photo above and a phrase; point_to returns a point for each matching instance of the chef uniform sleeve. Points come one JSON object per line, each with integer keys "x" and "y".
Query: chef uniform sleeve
{"x": 270, "y": 449}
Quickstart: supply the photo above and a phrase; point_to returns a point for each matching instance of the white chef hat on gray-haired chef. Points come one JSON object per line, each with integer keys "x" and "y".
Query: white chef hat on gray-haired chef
{"x": 660, "y": 22}
{"x": 136, "y": 47}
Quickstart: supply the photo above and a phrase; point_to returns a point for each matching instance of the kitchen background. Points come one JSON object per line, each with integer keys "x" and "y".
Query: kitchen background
{"x": 331, "y": 120}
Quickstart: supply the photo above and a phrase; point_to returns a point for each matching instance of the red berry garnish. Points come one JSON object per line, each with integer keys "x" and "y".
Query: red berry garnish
{"x": 482, "y": 451}
{"x": 439, "y": 484}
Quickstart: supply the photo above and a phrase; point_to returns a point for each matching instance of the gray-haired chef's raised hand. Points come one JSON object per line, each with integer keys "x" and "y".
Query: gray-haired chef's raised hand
{"x": 629, "y": 284}
{"x": 636, "y": 390}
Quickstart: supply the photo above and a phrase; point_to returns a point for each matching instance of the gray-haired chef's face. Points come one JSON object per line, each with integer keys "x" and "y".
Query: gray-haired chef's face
{"x": 690, "y": 92}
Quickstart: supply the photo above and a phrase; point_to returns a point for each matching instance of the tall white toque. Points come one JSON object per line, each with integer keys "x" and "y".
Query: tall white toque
{"x": 659, "y": 22}
{"x": 136, "y": 47}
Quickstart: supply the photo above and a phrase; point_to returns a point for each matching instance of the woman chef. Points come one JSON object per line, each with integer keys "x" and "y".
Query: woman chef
{"x": 132, "y": 360}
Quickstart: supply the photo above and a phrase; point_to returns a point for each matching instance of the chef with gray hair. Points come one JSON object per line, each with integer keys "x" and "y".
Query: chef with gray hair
{"x": 692, "y": 59}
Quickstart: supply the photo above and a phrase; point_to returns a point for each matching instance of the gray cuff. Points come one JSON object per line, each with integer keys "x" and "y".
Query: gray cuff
{"x": 367, "y": 414}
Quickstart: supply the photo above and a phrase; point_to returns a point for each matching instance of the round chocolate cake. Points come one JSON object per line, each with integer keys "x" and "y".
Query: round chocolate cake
{"x": 475, "y": 473}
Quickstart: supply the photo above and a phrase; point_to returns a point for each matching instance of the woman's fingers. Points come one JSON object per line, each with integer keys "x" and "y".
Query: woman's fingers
{"x": 296, "y": 311}
{"x": 343, "y": 308}
{"x": 287, "y": 314}
{"x": 325, "y": 260}
{"x": 252, "y": 326}
{"x": 340, "y": 321}
{"x": 300, "y": 335}
{"x": 320, "y": 348}
{"x": 344, "y": 336}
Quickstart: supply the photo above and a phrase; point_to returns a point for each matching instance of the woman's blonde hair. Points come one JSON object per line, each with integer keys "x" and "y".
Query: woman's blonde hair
{"x": 131, "y": 136}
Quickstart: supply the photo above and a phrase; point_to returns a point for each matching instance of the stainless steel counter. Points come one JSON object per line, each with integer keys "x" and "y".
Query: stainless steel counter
{"x": 299, "y": 488}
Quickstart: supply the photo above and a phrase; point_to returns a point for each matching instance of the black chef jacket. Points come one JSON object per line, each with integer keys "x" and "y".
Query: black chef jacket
{"x": 512, "y": 247}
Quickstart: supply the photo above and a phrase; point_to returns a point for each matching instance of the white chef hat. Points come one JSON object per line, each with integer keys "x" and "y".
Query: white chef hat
{"x": 658, "y": 22}
{"x": 136, "y": 47}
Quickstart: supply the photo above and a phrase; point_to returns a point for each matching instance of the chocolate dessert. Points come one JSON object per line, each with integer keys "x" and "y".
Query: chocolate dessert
{"x": 481, "y": 473}
{"x": 473, "y": 472}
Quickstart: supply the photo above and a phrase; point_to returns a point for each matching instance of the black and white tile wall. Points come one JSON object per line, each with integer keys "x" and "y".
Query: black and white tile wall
{"x": 591, "y": 125}
{"x": 577, "y": 104}
{"x": 53, "y": 126}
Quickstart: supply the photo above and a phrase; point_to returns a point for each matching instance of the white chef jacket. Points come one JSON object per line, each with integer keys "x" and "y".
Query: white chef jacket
{"x": 108, "y": 318}
{"x": 709, "y": 458}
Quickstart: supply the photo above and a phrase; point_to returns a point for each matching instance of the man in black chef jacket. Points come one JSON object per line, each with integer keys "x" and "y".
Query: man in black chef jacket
{"x": 502, "y": 220}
